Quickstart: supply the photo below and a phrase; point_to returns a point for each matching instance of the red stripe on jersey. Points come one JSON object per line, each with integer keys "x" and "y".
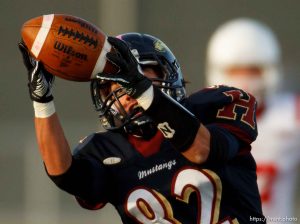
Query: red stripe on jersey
{"x": 87, "y": 205}
{"x": 147, "y": 148}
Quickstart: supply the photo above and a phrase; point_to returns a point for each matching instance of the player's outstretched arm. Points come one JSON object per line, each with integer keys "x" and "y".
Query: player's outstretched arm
{"x": 52, "y": 143}
{"x": 53, "y": 146}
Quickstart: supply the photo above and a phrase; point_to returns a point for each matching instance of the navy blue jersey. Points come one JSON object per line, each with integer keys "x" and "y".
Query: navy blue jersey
{"x": 165, "y": 187}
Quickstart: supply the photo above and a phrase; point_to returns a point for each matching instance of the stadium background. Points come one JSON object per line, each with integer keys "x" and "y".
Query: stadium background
{"x": 26, "y": 194}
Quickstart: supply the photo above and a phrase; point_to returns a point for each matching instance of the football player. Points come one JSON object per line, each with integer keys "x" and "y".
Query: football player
{"x": 165, "y": 157}
{"x": 246, "y": 54}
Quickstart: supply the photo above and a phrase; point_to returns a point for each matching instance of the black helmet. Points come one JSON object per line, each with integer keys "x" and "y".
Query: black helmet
{"x": 149, "y": 52}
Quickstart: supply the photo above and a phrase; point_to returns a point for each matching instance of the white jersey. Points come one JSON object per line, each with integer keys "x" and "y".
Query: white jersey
{"x": 277, "y": 154}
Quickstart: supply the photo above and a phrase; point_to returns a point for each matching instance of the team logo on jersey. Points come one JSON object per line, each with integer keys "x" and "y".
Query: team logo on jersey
{"x": 166, "y": 130}
{"x": 158, "y": 167}
{"x": 111, "y": 160}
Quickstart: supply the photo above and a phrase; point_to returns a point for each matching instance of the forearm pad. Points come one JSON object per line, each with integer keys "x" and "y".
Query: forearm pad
{"x": 174, "y": 121}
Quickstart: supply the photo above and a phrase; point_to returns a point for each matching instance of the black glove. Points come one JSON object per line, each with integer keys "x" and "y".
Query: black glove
{"x": 39, "y": 80}
{"x": 130, "y": 75}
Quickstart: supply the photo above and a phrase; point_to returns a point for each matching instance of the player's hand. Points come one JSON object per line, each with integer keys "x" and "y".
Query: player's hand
{"x": 130, "y": 75}
{"x": 39, "y": 80}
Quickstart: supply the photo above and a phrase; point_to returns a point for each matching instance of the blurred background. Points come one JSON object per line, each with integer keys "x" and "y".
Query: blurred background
{"x": 26, "y": 194}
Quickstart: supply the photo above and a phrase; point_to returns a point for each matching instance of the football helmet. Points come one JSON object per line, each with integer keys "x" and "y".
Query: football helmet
{"x": 240, "y": 43}
{"x": 150, "y": 52}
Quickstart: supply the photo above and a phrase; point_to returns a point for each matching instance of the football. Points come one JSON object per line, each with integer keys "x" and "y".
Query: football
{"x": 69, "y": 47}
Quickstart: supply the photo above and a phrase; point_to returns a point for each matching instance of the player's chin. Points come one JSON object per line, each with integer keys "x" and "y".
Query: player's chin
{"x": 136, "y": 112}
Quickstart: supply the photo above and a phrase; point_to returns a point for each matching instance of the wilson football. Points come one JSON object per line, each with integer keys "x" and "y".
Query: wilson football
{"x": 69, "y": 47}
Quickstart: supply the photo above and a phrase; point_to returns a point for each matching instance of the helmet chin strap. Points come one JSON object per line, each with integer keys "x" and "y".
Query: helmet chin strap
{"x": 141, "y": 127}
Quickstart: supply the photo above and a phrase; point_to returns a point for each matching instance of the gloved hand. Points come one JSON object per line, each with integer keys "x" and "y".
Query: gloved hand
{"x": 130, "y": 76}
{"x": 39, "y": 80}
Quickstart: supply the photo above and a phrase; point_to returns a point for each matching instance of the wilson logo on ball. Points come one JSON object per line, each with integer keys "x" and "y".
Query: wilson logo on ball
{"x": 69, "y": 51}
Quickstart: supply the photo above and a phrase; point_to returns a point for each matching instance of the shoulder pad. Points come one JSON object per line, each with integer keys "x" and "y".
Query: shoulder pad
{"x": 229, "y": 107}
{"x": 108, "y": 147}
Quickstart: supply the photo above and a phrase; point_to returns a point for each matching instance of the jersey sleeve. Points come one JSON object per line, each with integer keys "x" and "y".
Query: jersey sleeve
{"x": 87, "y": 178}
{"x": 227, "y": 107}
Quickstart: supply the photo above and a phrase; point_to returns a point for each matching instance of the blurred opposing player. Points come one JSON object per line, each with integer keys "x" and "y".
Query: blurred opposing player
{"x": 246, "y": 54}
